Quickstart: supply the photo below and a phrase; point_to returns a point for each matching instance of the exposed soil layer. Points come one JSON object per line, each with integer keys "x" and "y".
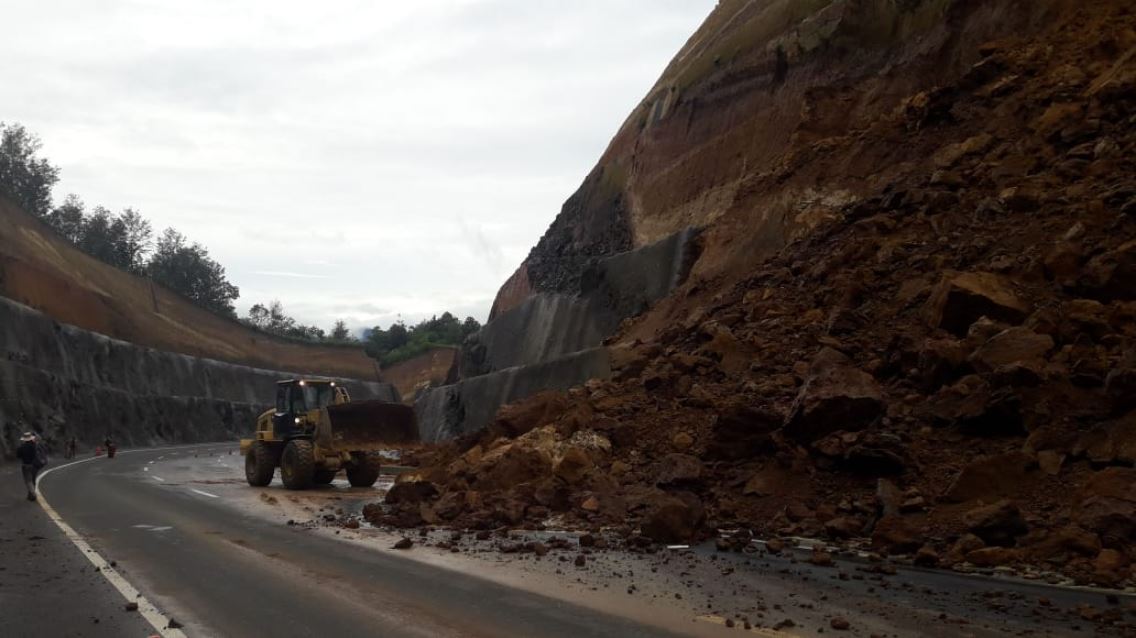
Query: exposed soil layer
{"x": 42, "y": 270}
{"x": 942, "y": 368}
{"x": 428, "y": 370}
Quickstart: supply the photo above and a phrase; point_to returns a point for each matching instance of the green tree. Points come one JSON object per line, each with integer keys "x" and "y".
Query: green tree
{"x": 136, "y": 240}
{"x": 103, "y": 236}
{"x": 271, "y": 318}
{"x": 340, "y": 332}
{"x": 25, "y": 177}
{"x": 68, "y": 218}
{"x": 188, "y": 270}
{"x": 399, "y": 343}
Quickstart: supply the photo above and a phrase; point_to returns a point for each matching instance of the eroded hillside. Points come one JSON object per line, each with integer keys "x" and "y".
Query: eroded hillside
{"x": 43, "y": 271}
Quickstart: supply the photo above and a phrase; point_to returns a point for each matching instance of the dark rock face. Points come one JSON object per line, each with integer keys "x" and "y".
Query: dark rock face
{"x": 63, "y": 381}
{"x": 593, "y": 223}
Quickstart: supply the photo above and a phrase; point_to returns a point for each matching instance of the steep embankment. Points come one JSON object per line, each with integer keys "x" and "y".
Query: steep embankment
{"x": 429, "y": 369}
{"x": 41, "y": 270}
{"x": 912, "y": 324}
{"x": 756, "y": 129}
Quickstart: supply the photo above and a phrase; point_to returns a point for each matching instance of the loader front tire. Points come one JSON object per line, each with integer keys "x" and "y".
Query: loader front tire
{"x": 298, "y": 464}
{"x": 260, "y": 464}
{"x": 324, "y": 477}
{"x": 365, "y": 470}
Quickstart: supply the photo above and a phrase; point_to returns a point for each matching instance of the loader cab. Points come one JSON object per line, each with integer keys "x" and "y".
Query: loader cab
{"x": 294, "y": 399}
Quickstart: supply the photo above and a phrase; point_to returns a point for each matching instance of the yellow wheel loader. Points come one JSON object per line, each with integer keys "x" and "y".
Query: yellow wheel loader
{"x": 315, "y": 430}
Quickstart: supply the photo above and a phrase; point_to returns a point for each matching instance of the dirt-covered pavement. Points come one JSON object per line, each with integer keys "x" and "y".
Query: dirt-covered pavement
{"x": 656, "y": 589}
{"x": 210, "y": 553}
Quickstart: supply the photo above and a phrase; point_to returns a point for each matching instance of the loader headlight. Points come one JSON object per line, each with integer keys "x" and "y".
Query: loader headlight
{"x": 333, "y": 384}
{"x": 297, "y": 420}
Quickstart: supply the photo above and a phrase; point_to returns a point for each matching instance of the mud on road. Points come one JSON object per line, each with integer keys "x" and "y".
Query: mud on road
{"x": 800, "y": 589}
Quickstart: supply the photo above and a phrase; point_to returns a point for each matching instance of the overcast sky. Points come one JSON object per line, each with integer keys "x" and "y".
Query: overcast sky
{"x": 361, "y": 160}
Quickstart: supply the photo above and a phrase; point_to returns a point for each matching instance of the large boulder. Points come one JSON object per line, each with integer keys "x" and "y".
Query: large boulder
{"x": 975, "y": 407}
{"x": 990, "y": 477}
{"x": 1109, "y": 276}
{"x": 510, "y": 465}
{"x": 677, "y": 469}
{"x": 999, "y": 523}
{"x": 1014, "y": 346}
{"x": 574, "y": 465}
{"x": 1110, "y": 443}
{"x": 411, "y": 493}
{"x": 673, "y": 518}
{"x": 1107, "y": 505}
{"x": 519, "y": 418}
{"x": 835, "y": 396}
{"x": 960, "y": 299}
{"x": 895, "y": 535}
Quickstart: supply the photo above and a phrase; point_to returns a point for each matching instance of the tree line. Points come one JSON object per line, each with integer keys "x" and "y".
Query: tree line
{"x": 399, "y": 342}
{"x": 124, "y": 240}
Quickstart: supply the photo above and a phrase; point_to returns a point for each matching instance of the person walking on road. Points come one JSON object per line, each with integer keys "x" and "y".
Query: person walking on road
{"x": 72, "y": 447}
{"x": 33, "y": 458}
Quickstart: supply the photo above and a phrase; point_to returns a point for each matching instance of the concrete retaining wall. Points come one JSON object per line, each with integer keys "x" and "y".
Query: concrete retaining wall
{"x": 470, "y": 405}
{"x": 554, "y": 341}
{"x": 64, "y": 381}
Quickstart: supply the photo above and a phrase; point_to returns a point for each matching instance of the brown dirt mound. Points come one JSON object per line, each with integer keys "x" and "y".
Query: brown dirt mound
{"x": 943, "y": 366}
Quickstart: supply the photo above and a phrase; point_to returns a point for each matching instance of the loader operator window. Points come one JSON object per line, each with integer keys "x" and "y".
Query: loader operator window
{"x": 298, "y": 400}
{"x": 318, "y": 395}
{"x": 281, "y": 399}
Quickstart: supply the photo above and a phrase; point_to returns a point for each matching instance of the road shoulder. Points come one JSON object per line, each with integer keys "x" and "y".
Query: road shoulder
{"x": 51, "y": 587}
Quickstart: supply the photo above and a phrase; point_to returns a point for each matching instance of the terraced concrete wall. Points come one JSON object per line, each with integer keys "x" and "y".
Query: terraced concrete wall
{"x": 553, "y": 341}
{"x": 548, "y": 326}
{"x": 64, "y": 381}
{"x": 470, "y": 405}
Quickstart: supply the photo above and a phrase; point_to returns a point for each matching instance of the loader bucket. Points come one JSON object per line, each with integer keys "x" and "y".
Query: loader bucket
{"x": 362, "y": 426}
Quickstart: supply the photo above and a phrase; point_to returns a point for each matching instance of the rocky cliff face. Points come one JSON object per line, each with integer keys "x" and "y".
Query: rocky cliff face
{"x": 911, "y": 328}
{"x": 63, "y": 381}
{"x": 756, "y": 129}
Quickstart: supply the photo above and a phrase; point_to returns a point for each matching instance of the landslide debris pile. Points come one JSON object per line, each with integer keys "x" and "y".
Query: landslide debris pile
{"x": 946, "y": 370}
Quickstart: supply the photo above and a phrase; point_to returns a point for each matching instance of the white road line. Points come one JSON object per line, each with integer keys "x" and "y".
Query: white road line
{"x": 158, "y": 478}
{"x": 159, "y": 529}
{"x": 204, "y": 493}
{"x": 159, "y": 621}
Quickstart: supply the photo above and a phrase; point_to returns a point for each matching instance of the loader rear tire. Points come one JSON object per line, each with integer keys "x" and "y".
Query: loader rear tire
{"x": 298, "y": 464}
{"x": 324, "y": 477}
{"x": 365, "y": 470}
{"x": 260, "y": 464}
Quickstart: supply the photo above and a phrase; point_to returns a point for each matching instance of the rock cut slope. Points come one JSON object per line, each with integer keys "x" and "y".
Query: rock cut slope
{"x": 41, "y": 270}
{"x": 912, "y": 323}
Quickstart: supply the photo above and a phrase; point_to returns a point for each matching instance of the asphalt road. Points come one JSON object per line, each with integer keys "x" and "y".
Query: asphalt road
{"x": 47, "y": 588}
{"x": 221, "y": 572}
{"x": 204, "y": 548}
